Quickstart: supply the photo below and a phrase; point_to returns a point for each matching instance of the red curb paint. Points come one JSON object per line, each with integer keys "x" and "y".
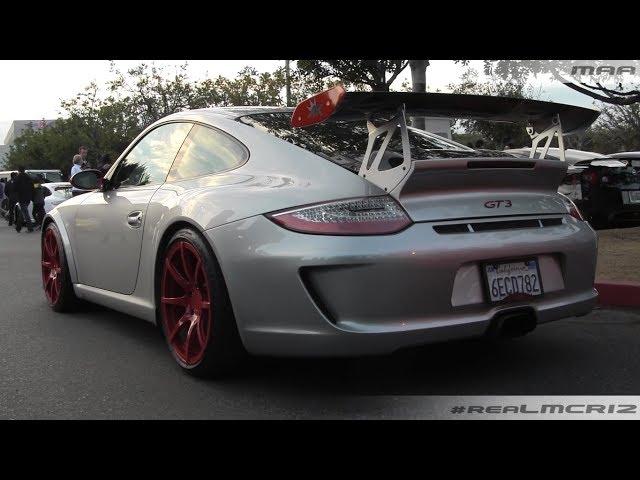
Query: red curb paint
{"x": 618, "y": 293}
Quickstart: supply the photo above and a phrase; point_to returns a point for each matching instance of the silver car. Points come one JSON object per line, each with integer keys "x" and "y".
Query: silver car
{"x": 330, "y": 230}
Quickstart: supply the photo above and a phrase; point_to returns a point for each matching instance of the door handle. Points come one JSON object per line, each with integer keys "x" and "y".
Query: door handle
{"x": 134, "y": 219}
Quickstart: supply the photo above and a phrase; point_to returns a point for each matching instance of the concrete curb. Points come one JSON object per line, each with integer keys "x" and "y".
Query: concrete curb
{"x": 618, "y": 293}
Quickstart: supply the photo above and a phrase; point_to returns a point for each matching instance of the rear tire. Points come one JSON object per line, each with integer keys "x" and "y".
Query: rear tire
{"x": 56, "y": 281}
{"x": 195, "y": 310}
{"x": 17, "y": 218}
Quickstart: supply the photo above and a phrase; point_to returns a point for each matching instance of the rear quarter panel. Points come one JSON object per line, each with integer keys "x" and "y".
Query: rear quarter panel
{"x": 277, "y": 175}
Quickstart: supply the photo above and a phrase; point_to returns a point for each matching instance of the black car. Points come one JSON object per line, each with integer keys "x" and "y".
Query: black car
{"x": 606, "y": 190}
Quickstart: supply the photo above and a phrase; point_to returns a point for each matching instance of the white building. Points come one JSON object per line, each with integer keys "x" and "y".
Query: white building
{"x": 16, "y": 129}
{"x": 19, "y": 126}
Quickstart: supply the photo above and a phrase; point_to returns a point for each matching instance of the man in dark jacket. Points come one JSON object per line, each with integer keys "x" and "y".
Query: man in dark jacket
{"x": 39, "y": 195}
{"x": 24, "y": 188}
{"x": 12, "y": 196}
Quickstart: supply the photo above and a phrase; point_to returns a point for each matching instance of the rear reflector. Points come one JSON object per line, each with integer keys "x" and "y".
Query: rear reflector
{"x": 318, "y": 108}
{"x": 359, "y": 216}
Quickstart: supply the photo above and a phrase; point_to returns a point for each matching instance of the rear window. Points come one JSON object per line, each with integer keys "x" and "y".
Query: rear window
{"x": 621, "y": 177}
{"x": 624, "y": 178}
{"x": 345, "y": 143}
{"x": 49, "y": 177}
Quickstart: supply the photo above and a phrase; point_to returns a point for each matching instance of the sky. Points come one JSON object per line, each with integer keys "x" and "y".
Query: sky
{"x": 33, "y": 89}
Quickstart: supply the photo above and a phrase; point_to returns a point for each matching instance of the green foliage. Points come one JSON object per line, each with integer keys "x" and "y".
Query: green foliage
{"x": 616, "y": 130}
{"x": 376, "y": 74}
{"x": 107, "y": 118}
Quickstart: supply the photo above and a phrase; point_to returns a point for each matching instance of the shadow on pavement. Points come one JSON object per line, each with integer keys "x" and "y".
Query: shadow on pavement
{"x": 544, "y": 362}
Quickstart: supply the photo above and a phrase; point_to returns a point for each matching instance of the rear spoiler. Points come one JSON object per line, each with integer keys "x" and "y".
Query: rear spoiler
{"x": 545, "y": 120}
{"x": 338, "y": 104}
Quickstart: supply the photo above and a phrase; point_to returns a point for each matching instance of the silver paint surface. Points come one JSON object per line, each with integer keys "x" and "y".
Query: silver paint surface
{"x": 299, "y": 294}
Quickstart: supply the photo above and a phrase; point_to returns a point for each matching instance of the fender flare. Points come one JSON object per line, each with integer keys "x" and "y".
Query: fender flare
{"x": 55, "y": 217}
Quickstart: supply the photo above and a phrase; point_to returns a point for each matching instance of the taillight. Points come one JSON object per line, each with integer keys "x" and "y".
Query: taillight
{"x": 571, "y": 207}
{"x": 359, "y": 216}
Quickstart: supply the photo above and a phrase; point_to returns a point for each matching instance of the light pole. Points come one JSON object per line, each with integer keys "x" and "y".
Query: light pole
{"x": 418, "y": 84}
{"x": 287, "y": 71}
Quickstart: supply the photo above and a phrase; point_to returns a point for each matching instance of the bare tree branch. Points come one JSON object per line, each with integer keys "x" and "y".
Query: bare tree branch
{"x": 611, "y": 100}
{"x": 398, "y": 72}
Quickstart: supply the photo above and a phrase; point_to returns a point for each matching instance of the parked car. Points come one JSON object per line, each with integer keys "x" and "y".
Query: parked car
{"x": 571, "y": 156}
{"x": 49, "y": 175}
{"x": 328, "y": 230}
{"x": 60, "y": 191}
{"x": 606, "y": 190}
{"x": 632, "y": 157}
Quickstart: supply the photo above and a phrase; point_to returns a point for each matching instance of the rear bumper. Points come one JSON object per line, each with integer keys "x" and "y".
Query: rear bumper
{"x": 313, "y": 295}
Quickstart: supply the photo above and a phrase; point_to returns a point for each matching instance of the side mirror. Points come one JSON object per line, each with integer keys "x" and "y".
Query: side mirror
{"x": 87, "y": 180}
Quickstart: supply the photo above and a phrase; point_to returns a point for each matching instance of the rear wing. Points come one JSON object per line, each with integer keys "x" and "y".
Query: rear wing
{"x": 545, "y": 120}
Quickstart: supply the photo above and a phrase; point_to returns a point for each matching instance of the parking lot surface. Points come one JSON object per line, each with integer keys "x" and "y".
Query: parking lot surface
{"x": 100, "y": 364}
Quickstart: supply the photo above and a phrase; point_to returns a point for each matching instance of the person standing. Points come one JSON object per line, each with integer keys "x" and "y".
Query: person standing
{"x": 12, "y": 197}
{"x": 77, "y": 167}
{"x": 39, "y": 195}
{"x": 83, "y": 152}
{"x": 2, "y": 184}
{"x": 3, "y": 200}
{"x": 24, "y": 189}
{"x": 104, "y": 164}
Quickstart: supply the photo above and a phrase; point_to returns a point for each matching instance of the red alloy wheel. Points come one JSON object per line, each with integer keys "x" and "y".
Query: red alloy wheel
{"x": 51, "y": 270}
{"x": 186, "y": 302}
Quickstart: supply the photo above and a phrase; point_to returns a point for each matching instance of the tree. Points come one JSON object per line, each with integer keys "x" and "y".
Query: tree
{"x": 106, "y": 118}
{"x": 616, "y": 130}
{"x": 248, "y": 88}
{"x": 572, "y": 73}
{"x": 287, "y": 69}
{"x": 376, "y": 74}
{"x": 496, "y": 135}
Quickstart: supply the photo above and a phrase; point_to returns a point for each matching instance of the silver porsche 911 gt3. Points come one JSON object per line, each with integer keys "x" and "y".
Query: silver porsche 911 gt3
{"x": 330, "y": 230}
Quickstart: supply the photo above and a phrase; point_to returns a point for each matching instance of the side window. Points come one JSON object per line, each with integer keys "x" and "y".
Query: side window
{"x": 207, "y": 151}
{"x": 149, "y": 161}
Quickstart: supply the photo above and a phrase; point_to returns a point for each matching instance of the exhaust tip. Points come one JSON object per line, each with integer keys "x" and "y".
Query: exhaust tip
{"x": 512, "y": 324}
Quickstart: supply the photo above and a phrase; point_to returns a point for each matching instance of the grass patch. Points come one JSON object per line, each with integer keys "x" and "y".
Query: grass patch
{"x": 619, "y": 254}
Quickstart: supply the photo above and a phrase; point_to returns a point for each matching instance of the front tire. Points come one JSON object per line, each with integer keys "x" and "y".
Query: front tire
{"x": 195, "y": 310}
{"x": 55, "y": 272}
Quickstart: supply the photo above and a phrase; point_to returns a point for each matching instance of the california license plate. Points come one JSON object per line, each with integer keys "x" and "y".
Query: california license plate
{"x": 513, "y": 280}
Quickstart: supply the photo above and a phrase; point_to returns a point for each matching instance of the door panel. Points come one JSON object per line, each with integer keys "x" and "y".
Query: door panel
{"x": 109, "y": 225}
{"x": 108, "y": 246}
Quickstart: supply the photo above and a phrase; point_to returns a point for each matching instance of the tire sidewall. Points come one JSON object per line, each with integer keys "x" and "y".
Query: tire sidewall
{"x": 222, "y": 326}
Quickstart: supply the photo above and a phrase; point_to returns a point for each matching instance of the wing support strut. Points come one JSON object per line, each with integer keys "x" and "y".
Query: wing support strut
{"x": 387, "y": 178}
{"x": 547, "y": 134}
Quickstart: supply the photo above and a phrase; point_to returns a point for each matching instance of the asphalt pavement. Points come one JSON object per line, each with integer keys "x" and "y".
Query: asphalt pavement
{"x": 101, "y": 364}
